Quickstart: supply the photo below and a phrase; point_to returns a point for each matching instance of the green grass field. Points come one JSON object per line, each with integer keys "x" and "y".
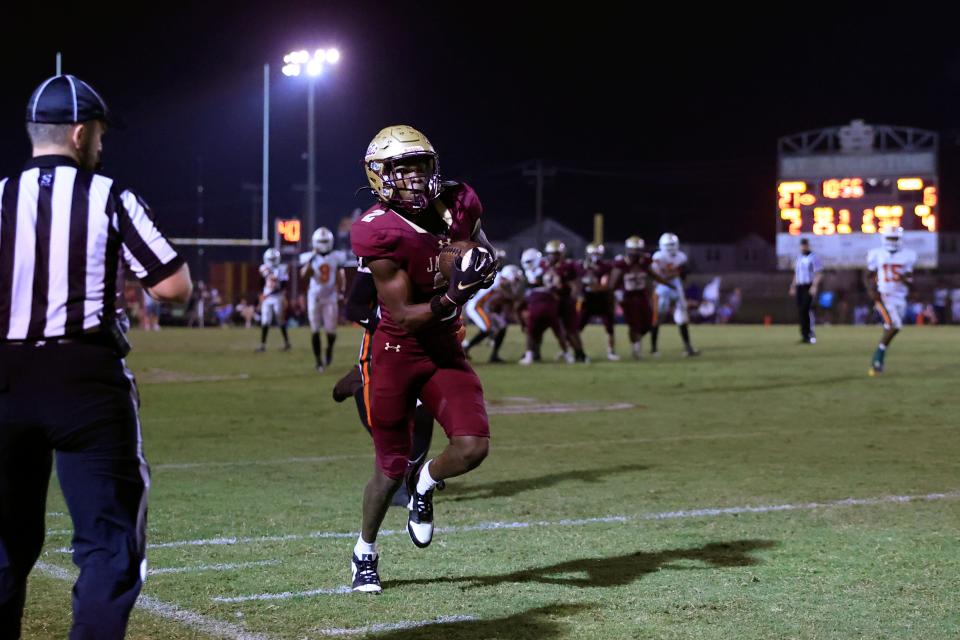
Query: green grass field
{"x": 612, "y": 533}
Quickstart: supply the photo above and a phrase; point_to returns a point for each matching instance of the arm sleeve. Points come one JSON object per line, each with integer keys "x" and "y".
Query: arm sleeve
{"x": 151, "y": 257}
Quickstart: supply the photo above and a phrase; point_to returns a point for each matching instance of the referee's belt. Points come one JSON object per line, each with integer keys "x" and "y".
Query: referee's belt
{"x": 96, "y": 337}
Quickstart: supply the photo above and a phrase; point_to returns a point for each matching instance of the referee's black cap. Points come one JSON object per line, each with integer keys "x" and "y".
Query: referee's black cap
{"x": 66, "y": 99}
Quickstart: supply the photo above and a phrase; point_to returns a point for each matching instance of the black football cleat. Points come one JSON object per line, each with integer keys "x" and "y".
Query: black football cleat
{"x": 366, "y": 577}
{"x": 420, "y": 518}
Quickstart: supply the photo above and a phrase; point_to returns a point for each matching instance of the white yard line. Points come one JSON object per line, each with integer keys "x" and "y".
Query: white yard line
{"x": 286, "y": 595}
{"x": 232, "y": 566}
{"x": 507, "y": 410}
{"x": 662, "y": 515}
{"x": 190, "y": 619}
{"x": 396, "y": 626}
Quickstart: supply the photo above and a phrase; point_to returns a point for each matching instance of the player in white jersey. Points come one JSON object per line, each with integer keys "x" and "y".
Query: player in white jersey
{"x": 889, "y": 276}
{"x": 272, "y": 300}
{"x": 671, "y": 264}
{"x": 324, "y": 267}
{"x": 492, "y": 310}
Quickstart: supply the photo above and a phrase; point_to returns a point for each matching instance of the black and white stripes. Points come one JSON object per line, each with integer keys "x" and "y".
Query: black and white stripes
{"x": 62, "y": 234}
{"x": 807, "y": 267}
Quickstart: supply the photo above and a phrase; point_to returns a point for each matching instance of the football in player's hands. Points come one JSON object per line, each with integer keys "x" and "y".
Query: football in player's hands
{"x": 452, "y": 253}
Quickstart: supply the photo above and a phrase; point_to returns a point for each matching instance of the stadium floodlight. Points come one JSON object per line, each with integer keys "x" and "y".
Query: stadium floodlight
{"x": 302, "y": 62}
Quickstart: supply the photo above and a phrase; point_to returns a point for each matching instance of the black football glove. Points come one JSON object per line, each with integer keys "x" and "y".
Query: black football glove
{"x": 464, "y": 283}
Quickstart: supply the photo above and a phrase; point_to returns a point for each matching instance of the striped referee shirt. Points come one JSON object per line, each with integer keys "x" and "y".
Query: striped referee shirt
{"x": 65, "y": 235}
{"x": 807, "y": 267}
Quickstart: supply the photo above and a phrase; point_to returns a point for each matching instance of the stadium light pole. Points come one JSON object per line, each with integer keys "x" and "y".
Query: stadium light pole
{"x": 298, "y": 63}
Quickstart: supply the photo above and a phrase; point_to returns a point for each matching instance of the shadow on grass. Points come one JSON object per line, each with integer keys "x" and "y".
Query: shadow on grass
{"x": 615, "y": 571}
{"x": 543, "y": 622}
{"x": 508, "y": 488}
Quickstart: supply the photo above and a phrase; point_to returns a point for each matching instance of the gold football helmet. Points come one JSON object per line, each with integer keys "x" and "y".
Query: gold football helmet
{"x": 402, "y": 168}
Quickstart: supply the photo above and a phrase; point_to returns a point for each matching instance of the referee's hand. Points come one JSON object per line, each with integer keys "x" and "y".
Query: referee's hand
{"x": 793, "y": 290}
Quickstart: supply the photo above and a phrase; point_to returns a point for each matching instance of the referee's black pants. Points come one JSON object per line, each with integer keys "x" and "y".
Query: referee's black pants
{"x": 80, "y": 401}
{"x": 805, "y": 310}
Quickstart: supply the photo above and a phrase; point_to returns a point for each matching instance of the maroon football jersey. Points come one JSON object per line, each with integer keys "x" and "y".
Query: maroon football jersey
{"x": 559, "y": 277}
{"x": 414, "y": 243}
{"x": 592, "y": 274}
{"x": 633, "y": 273}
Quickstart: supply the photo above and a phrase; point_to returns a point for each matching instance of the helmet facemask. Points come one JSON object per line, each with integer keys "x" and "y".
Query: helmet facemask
{"x": 409, "y": 182}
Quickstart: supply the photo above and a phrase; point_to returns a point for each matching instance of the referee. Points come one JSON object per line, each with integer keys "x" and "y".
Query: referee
{"x": 66, "y": 231}
{"x": 806, "y": 282}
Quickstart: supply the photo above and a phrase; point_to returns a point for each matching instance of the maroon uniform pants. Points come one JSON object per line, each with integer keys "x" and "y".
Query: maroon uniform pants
{"x": 600, "y": 305}
{"x": 439, "y": 376}
{"x": 637, "y": 312}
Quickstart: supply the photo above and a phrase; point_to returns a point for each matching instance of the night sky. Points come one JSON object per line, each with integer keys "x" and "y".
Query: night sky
{"x": 663, "y": 121}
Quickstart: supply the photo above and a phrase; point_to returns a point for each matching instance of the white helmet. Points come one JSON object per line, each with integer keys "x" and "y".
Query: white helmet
{"x": 271, "y": 257}
{"x": 530, "y": 258}
{"x": 510, "y": 273}
{"x": 669, "y": 243}
{"x": 323, "y": 240}
{"x": 892, "y": 237}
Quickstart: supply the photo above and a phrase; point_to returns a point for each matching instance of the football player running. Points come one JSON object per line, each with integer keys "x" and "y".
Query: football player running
{"x": 416, "y": 351}
{"x": 888, "y": 279}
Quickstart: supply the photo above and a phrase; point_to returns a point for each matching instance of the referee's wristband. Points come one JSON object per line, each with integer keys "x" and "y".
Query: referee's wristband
{"x": 440, "y": 307}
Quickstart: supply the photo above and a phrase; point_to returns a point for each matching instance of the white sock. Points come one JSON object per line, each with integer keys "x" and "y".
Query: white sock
{"x": 882, "y": 347}
{"x": 425, "y": 481}
{"x": 365, "y": 548}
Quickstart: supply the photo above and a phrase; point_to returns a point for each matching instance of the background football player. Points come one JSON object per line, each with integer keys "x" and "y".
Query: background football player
{"x": 273, "y": 301}
{"x": 564, "y": 276}
{"x": 888, "y": 279}
{"x": 597, "y": 299}
{"x": 629, "y": 278}
{"x": 492, "y": 310}
{"x": 540, "y": 309}
{"x": 324, "y": 268}
{"x": 671, "y": 264}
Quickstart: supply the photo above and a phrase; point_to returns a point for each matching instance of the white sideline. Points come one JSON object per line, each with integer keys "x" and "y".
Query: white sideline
{"x": 190, "y": 619}
{"x": 663, "y": 515}
{"x": 396, "y": 626}
{"x": 577, "y": 522}
{"x": 509, "y": 447}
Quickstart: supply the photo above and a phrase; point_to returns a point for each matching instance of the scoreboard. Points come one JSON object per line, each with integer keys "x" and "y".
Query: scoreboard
{"x": 839, "y": 193}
